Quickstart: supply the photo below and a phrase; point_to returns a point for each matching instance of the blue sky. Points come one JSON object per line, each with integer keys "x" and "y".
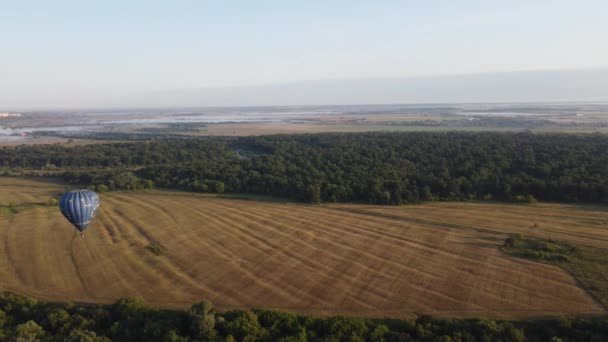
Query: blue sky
{"x": 54, "y": 51}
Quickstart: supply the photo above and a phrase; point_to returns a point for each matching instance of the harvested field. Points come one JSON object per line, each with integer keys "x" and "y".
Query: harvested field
{"x": 441, "y": 259}
{"x": 575, "y": 224}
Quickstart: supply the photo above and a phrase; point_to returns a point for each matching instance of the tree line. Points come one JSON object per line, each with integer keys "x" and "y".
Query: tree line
{"x": 130, "y": 319}
{"x": 378, "y": 168}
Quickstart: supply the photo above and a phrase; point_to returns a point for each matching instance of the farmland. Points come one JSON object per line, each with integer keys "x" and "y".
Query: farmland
{"x": 60, "y": 126}
{"x": 370, "y": 261}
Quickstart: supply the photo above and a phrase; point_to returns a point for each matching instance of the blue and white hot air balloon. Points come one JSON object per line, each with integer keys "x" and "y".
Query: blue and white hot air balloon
{"x": 79, "y": 207}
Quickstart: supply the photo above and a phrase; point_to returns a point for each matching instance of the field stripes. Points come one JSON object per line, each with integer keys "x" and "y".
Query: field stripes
{"x": 440, "y": 259}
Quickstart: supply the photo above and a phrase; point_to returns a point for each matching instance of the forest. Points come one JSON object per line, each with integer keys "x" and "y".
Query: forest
{"x": 376, "y": 168}
{"x": 130, "y": 319}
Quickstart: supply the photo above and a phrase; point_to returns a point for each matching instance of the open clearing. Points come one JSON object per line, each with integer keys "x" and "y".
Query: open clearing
{"x": 440, "y": 258}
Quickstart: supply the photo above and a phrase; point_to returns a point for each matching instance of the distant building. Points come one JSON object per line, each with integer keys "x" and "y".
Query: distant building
{"x": 10, "y": 115}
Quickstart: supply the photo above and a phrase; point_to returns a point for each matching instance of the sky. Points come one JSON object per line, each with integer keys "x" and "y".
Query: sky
{"x": 79, "y": 53}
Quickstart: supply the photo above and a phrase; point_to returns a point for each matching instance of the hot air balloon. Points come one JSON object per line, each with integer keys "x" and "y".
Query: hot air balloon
{"x": 79, "y": 207}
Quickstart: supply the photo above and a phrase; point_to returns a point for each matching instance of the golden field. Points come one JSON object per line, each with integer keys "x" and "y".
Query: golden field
{"x": 441, "y": 259}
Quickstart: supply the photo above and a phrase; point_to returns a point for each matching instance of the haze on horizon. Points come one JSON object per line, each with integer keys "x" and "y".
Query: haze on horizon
{"x": 197, "y": 53}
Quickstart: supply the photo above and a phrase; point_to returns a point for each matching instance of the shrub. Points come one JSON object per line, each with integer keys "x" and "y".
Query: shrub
{"x": 52, "y": 202}
{"x": 102, "y": 188}
{"x": 531, "y": 199}
{"x": 533, "y": 254}
{"x": 560, "y": 258}
{"x": 156, "y": 249}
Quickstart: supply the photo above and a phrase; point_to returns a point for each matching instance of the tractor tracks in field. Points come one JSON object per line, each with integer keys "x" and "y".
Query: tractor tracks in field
{"x": 439, "y": 224}
{"x": 7, "y": 248}
{"x": 77, "y": 268}
{"x": 421, "y": 221}
{"x": 436, "y": 224}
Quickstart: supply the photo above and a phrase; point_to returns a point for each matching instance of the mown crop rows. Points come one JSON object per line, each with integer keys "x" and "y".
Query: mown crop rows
{"x": 441, "y": 258}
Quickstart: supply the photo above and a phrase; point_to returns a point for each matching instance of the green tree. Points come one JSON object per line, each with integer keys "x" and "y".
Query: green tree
{"x": 426, "y": 194}
{"x": 203, "y": 308}
{"x": 243, "y": 325}
{"x": 173, "y": 336}
{"x": 58, "y": 319}
{"x": 313, "y": 193}
{"x": 346, "y": 328}
{"x": 29, "y": 332}
{"x": 80, "y": 335}
{"x": 203, "y": 320}
{"x": 377, "y": 335}
{"x": 2, "y": 318}
{"x": 220, "y": 188}
{"x": 126, "y": 308}
{"x": 205, "y": 327}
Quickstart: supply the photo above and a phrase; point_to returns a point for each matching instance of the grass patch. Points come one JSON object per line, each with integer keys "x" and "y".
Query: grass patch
{"x": 538, "y": 249}
{"x": 5, "y": 213}
{"x": 156, "y": 249}
{"x": 52, "y": 202}
{"x": 589, "y": 265}
{"x": 8, "y": 211}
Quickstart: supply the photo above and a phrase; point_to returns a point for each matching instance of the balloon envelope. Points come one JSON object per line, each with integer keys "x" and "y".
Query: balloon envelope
{"x": 79, "y": 207}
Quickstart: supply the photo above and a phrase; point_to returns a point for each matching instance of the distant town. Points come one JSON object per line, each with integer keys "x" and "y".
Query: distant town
{"x": 10, "y": 115}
